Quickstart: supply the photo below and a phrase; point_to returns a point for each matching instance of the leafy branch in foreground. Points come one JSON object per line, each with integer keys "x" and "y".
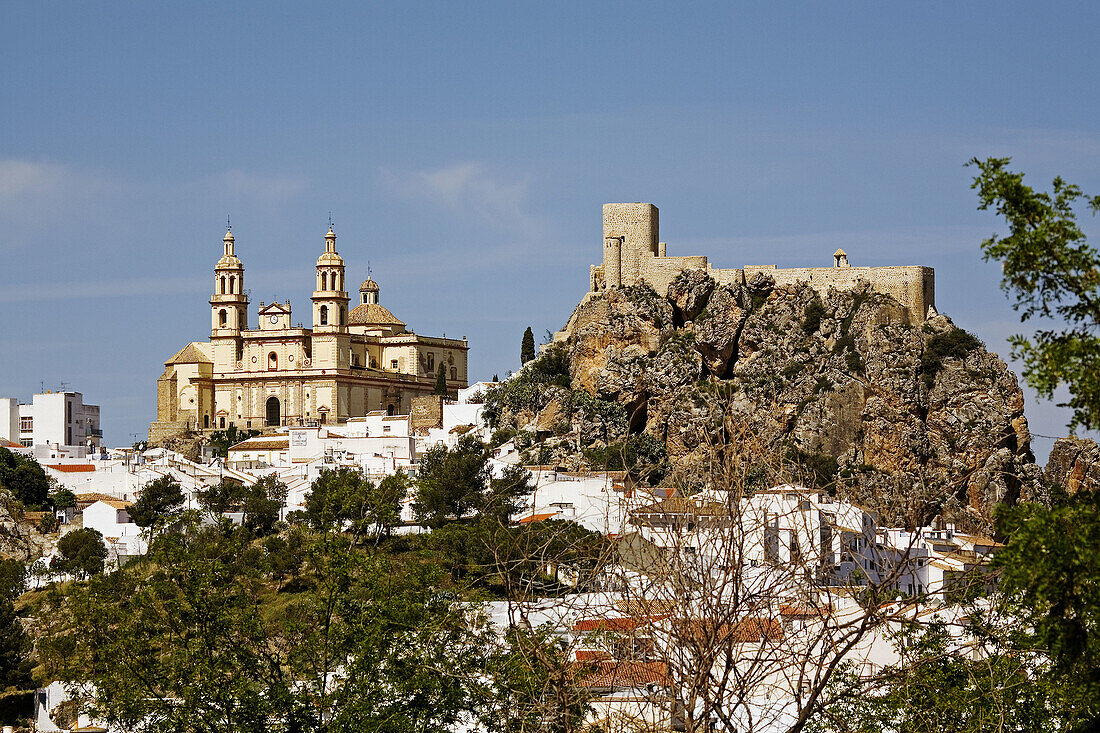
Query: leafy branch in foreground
{"x": 1053, "y": 273}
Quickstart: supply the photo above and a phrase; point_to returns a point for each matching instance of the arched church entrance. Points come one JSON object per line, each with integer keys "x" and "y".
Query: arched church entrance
{"x": 273, "y": 411}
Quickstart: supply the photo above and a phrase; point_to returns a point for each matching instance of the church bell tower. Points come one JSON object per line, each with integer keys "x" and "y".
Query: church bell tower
{"x": 331, "y": 339}
{"x": 228, "y": 307}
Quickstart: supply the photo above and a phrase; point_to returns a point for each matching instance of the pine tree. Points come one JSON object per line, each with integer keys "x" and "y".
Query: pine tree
{"x": 441, "y": 380}
{"x": 527, "y": 348}
{"x": 15, "y": 647}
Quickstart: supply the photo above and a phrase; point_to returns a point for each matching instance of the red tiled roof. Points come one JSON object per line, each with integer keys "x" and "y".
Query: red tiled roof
{"x": 748, "y": 631}
{"x": 592, "y": 655}
{"x": 86, "y": 500}
{"x": 626, "y": 674}
{"x": 73, "y": 467}
{"x": 617, "y": 623}
{"x": 5, "y": 443}
{"x": 537, "y": 517}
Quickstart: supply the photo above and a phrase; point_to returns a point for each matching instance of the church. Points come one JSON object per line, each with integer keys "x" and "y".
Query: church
{"x": 349, "y": 363}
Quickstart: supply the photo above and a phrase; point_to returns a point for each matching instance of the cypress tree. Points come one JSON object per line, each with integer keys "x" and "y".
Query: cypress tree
{"x": 527, "y": 348}
{"x": 441, "y": 380}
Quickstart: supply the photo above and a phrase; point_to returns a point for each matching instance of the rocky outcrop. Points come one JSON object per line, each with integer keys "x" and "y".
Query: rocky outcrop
{"x": 915, "y": 418}
{"x": 689, "y": 293}
{"x": 19, "y": 538}
{"x": 1074, "y": 465}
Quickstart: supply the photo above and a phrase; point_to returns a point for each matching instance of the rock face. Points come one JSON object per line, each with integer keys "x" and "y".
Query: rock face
{"x": 910, "y": 415}
{"x": 1074, "y": 465}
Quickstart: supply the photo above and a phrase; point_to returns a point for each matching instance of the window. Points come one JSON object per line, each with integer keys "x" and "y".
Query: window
{"x": 340, "y": 322}
{"x": 68, "y": 412}
{"x": 454, "y": 373}
{"x": 324, "y": 315}
{"x": 26, "y": 442}
{"x": 272, "y": 361}
{"x": 393, "y": 364}
{"x": 385, "y": 428}
{"x": 431, "y": 361}
{"x": 223, "y": 318}
{"x": 206, "y": 421}
{"x": 26, "y": 424}
{"x": 391, "y": 410}
{"x": 232, "y": 286}
{"x": 324, "y": 281}
{"x": 221, "y": 288}
{"x": 221, "y": 422}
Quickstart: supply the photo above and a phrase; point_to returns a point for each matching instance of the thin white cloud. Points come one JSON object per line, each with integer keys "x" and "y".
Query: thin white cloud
{"x": 268, "y": 188}
{"x": 468, "y": 189}
{"x": 26, "y": 183}
{"x": 22, "y": 177}
{"x": 133, "y": 287}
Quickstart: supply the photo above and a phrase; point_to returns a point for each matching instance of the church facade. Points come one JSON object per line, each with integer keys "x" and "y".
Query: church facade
{"x": 349, "y": 363}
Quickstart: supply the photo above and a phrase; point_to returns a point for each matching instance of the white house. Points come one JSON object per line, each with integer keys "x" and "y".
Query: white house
{"x": 597, "y": 501}
{"x": 54, "y": 422}
{"x": 112, "y": 520}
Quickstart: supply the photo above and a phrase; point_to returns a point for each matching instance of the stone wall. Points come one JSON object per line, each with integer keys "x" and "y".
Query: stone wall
{"x": 427, "y": 412}
{"x": 634, "y": 255}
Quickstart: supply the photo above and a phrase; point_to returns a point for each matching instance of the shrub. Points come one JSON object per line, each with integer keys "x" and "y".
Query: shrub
{"x": 954, "y": 344}
{"x": 812, "y": 315}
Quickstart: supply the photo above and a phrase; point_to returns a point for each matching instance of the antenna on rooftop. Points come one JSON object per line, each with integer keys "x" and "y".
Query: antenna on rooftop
{"x": 64, "y": 386}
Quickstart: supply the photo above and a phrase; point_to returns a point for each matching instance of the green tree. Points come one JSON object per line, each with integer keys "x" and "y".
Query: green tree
{"x": 159, "y": 504}
{"x": 937, "y": 688}
{"x": 441, "y": 380}
{"x": 1052, "y": 272}
{"x": 362, "y": 644}
{"x": 15, "y": 657}
{"x": 80, "y": 552}
{"x": 527, "y": 347}
{"x": 223, "y": 440}
{"x": 383, "y": 503}
{"x": 505, "y": 495}
{"x": 262, "y": 503}
{"x": 451, "y": 481}
{"x": 62, "y": 498}
{"x": 1050, "y": 572}
{"x": 24, "y": 478}
{"x": 220, "y": 498}
{"x": 13, "y": 578}
{"x": 337, "y": 501}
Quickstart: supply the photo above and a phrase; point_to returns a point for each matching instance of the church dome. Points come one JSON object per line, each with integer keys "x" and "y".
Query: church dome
{"x": 372, "y": 314}
{"x": 330, "y": 258}
{"x": 369, "y": 284}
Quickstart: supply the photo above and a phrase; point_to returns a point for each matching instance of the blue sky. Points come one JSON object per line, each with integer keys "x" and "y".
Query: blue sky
{"x": 466, "y": 150}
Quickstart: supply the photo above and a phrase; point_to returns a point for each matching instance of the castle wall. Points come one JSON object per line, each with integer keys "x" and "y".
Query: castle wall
{"x": 659, "y": 272}
{"x": 641, "y": 259}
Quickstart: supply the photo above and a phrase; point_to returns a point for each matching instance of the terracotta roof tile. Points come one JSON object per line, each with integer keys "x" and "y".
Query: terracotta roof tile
{"x": 190, "y": 354}
{"x": 624, "y": 674}
{"x": 262, "y": 444}
{"x": 73, "y": 467}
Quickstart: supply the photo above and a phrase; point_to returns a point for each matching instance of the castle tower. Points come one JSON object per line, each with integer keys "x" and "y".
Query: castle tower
{"x": 613, "y": 261}
{"x": 368, "y": 292}
{"x": 635, "y": 225}
{"x": 330, "y": 300}
{"x": 228, "y": 307}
